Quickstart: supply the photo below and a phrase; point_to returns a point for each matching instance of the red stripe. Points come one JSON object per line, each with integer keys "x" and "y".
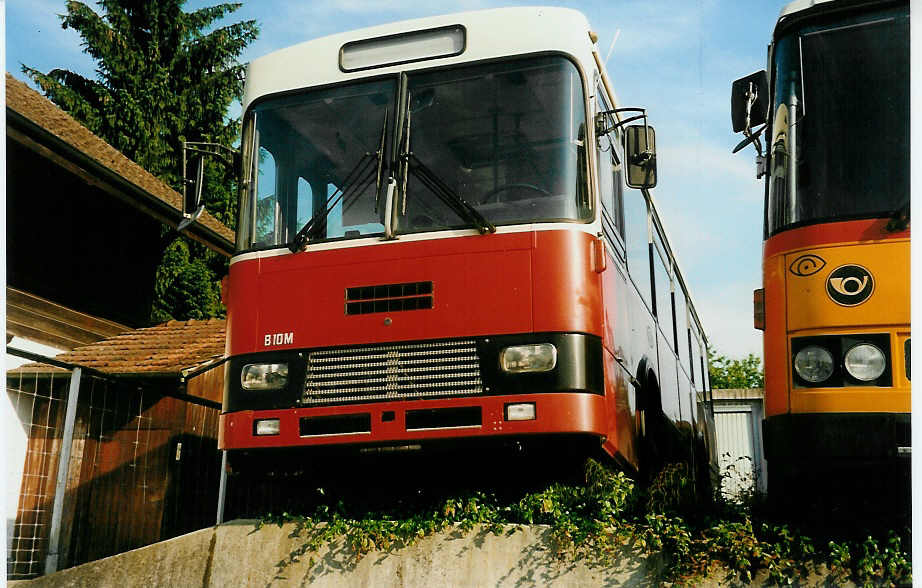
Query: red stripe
{"x": 865, "y": 231}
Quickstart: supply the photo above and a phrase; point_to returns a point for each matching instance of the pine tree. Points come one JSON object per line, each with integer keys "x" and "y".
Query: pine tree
{"x": 163, "y": 76}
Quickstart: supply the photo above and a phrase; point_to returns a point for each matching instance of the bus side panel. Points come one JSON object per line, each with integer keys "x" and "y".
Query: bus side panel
{"x": 774, "y": 339}
{"x": 619, "y": 340}
{"x": 567, "y": 291}
{"x": 621, "y": 406}
{"x": 668, "y": 383}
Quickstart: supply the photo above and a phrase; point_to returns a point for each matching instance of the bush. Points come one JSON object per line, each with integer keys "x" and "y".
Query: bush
{"x": 598, "y": 520}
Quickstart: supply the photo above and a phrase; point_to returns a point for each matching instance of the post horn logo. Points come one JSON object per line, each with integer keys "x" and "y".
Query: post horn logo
{"x": 849, "y": 285}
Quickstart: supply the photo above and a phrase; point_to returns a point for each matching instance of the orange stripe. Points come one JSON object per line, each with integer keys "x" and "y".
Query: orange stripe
{"x": 870, "y": 231}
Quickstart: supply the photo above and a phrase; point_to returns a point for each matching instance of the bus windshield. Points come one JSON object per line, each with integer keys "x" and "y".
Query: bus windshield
{"x": 840, "y": 122}
{"x": 505, "y": 137}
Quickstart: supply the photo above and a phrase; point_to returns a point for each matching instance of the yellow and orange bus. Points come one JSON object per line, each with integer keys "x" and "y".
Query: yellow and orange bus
{"x": 834, "y": 305}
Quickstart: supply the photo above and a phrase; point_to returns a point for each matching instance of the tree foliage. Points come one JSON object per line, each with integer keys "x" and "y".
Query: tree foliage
{"x": 727, "y": 373}
{"x": 163, "y": 76}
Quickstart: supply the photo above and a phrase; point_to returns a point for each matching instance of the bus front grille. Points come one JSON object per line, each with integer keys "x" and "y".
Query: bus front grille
{"x": 392, "y": 372}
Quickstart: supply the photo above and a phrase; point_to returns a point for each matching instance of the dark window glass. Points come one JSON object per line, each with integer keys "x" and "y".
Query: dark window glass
{"x": 307, "y": 147}
{"x": 681, "y": 322}
{"x": 611, "y": 181}
{"x": 636, "y": 235}
{"x": 663, "y": 289}
{"x": 611, "y": 187}
{"x": 839, "y": 141}
{"x": 698, "y": 358}
{"x": 506, "y": 137}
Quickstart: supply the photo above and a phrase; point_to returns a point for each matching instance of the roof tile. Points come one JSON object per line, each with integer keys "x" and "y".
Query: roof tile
{"x": 168, "y": 348}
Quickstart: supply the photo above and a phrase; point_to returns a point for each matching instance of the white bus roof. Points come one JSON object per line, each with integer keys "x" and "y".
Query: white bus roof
{"x": 799, "y": 5}
{"x": 489, "y": 34}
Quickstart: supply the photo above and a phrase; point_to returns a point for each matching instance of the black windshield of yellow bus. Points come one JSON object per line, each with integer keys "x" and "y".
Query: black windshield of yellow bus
{"x": 839, "y": 130}
{"x": 506, "y": 137}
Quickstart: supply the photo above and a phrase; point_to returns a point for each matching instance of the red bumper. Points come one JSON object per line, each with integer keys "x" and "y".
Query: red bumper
{"x": 554, "y": 413}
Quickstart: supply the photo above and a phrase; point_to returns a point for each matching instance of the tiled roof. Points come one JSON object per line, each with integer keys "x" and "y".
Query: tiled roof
{"x": 31, "y": 105}
{"x": 167, "y": 349}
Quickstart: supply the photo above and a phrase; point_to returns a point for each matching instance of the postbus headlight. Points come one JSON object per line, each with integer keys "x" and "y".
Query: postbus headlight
{"x": 264, "y": 376}
{"x": 814, "y": 364}
{"x": 865, "y": 362}
{"x": 540, "y": 357}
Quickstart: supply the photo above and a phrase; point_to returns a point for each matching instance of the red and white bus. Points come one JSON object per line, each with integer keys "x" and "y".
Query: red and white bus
{"x": 438, "y": 241}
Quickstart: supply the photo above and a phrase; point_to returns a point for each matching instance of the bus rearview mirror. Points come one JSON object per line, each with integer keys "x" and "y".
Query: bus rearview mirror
{"x": 749, "y": 101}
{"x": 640, "y": 152}
{"x": 193, "y": 176}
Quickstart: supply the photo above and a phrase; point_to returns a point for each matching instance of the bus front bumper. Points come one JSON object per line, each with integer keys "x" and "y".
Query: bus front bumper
{"x": 837, "y": 437}
{"x": 404, "y": 423}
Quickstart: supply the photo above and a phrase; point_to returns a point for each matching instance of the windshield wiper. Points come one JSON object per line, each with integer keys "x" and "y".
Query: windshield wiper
{"x": 899, "y": 218}
{"x": 459, "y": 205}
{"x": 353, "y": 185}
{"x": 410, "y": 163}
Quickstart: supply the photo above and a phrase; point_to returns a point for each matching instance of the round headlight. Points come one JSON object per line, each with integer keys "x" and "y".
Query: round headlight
{"x": 865, "y": 362}
{"x": 814, "y": 364}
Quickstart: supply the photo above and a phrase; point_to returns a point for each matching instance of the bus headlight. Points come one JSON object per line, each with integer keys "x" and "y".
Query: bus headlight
{"x": 264, "y": 376}
{"x": 539, "y": 357}
{"x": 814, "y": 364}
{"x": 865, "y": 362}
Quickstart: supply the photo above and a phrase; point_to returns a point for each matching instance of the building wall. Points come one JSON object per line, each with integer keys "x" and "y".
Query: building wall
{"x": 738, "y": 418}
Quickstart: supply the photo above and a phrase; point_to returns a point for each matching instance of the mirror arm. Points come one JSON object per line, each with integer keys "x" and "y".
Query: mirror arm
{"x": 227, "y": 154}
{"x": 751, "y": 137}
{"x": 602, "y": 129}
{"x": 184, "y": 223}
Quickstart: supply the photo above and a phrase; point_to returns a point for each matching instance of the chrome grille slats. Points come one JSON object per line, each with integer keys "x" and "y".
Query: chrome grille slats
{"x": 392, "y": 371}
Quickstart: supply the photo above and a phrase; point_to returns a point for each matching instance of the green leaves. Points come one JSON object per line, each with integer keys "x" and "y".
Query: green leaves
{"x": 163, "y": 76}
{"x": 609, "y": 517}
{"x": 726, "y": 373}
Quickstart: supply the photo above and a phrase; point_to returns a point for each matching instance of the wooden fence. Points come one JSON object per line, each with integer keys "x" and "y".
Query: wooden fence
{"x": 143, "y": 467}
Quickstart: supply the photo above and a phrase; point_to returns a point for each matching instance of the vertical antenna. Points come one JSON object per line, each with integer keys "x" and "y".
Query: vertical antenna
{"x": 612, "y": 46}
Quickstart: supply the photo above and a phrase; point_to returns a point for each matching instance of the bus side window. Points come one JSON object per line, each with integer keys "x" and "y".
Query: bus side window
{"x": 267, "y": 215}
{"x": 637, "y": 240}
{"x": 617, "y": 210}
{"x": 683, "y": 343}
{"x": 611, "y": 183}
{"x": 698, "y": 358}
{"x": 612, "y": 196}
{"x": 663, "y": 288}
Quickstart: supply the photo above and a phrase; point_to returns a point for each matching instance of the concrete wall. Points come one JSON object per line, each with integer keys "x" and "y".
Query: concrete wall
{"x": 235, "y": 554}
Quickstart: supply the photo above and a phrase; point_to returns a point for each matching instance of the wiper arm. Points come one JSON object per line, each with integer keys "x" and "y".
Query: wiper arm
{"x": 459, "y": 205}
{"x": 407, "y": 162}
{"x": 356, "y": 180}
{"x": 899, "y": 218}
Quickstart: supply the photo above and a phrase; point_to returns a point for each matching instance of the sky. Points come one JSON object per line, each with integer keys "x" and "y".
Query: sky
{"x": 677, "y": 58}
